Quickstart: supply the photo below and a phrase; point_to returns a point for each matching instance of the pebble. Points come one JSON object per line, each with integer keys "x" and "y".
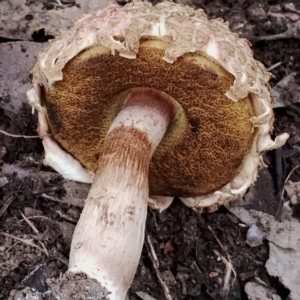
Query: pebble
{"x": 3, "y": 181}
{"x": 256, "y": 13}
{"x": 254, "y": 236}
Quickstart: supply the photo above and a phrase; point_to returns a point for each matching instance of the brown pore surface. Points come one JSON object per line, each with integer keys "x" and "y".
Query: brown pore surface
{"x": 202, "y": 149}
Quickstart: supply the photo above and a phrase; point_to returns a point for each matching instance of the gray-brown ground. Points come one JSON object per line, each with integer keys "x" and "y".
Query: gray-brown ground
{"x": 183, "y": 241}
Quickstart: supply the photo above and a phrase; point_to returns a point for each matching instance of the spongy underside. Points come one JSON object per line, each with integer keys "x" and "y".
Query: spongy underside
{"x": 200, "y": 154}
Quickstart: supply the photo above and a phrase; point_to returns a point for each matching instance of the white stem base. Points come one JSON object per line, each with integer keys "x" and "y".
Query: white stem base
{"x": 109, "y": 235}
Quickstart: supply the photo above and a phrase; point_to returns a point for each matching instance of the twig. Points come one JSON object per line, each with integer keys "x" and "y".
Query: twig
{"x": 20, "y": 136}
{"x": 44, "y": 247}
{"x": 36, "y": 217}
{"x": 218, "y": 241}
{"x": 63, "y": 260}
{"x": 274, "y": 66}
{"x": 282, "y": 192}
{"x": 6, "y": 205}
{"x": 155, "y": 263}
{"x": 27, "y": 242}
{"x": 287, "y": 179}
{"x": 229, "y": 269}
{"x": 24, "y": 136}
{"x": 36, "y": 231}
{"x": 66, "y": 217}
{"x": 196, "y": 266}
{"x": 154, "y": 218}
{"x": 198, "y": 262}
{"x": 291, "y": 32}
{"x": 51, "y": 198}
{"x": 48, "y": 189}
{"x": 227, "y": 262}
{"x": 7, "y": 250}
{"x": 29, "y": 223}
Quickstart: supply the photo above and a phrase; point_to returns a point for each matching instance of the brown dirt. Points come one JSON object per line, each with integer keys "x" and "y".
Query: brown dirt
{"x": 183, "y": 241}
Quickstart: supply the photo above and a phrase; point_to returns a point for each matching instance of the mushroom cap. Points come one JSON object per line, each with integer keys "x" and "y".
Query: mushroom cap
{"x": 213, "y": 148}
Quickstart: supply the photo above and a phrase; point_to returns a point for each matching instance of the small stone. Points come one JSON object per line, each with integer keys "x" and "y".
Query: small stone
{"x": 32, "y": 212}
{"x": 2, "y": 152}
{"x": 256, "y": 13}
{"x": 254, "y": 236}
{"x": 3, "y": 181}
{"x": 168, "y": 277}
{"x": 213, "y": 274}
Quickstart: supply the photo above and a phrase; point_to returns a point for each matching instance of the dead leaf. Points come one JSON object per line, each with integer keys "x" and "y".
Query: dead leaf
{"x": 284, "y": 242}
{"x": 285, "y": 264}
{"x": 169, "y": 247}
{"x": 76, "y": 192}
{"x": 293, "y": 190}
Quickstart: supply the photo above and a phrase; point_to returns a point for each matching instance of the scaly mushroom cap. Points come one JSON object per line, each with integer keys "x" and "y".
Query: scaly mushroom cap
{"x": 214, "y": 146}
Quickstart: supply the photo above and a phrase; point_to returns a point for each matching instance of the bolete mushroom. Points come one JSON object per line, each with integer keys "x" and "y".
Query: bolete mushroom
{"x": 148, "y": 100}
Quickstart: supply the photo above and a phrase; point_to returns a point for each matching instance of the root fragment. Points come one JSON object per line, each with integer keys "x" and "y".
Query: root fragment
{"x": 155, "y": 263}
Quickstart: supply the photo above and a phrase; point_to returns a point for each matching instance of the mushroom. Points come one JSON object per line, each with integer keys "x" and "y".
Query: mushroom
{"x": 148, "y": 100}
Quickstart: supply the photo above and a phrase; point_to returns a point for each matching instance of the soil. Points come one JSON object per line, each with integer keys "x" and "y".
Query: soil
{"x": 36, "y": 231}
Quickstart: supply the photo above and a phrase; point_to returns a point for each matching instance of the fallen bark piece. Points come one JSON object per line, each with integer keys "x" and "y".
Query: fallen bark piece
{"x": 255, "y": 291}
{"x": 19, "y": 21}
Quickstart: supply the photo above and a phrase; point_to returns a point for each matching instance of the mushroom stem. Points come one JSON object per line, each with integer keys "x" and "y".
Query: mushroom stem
{"x": 109, "y": 236}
